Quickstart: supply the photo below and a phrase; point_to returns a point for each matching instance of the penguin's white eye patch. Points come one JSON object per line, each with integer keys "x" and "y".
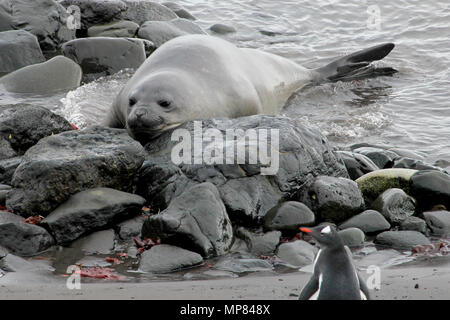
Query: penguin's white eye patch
{"x": 327, "y": 229}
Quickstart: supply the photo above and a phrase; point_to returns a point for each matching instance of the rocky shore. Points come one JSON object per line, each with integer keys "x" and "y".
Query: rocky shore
{"x": 75, "y": 195}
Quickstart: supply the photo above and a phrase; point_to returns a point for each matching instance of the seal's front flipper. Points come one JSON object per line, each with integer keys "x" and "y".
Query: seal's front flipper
{"x": 357, "y": 65}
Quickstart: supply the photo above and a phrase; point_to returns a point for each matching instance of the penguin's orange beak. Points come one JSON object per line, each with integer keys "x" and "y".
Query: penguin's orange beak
{"x": 306, "y": 230}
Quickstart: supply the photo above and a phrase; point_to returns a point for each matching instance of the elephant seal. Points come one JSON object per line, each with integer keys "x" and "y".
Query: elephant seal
{"x": 201, "y": 76}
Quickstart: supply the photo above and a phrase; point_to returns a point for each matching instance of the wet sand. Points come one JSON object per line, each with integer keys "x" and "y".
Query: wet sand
{"x": 397, "y": 283}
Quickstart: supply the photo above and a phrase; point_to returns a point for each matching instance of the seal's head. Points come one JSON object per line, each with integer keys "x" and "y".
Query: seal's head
{"x": 157, "y": 104}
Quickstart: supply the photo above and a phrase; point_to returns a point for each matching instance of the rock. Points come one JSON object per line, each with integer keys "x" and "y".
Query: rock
{"x": 357, "y": 164}
{"x": 6, "y": 151}
{"x": 102, "y": 56}
{"x": 395, "y": 205}
{"x": 148, "y": 45}
{"x": 302, "y": 154}
{"x": 196, "y": 220}
{"x": 382, "y": 158}
{"x": 406, "y": 153}
{"x": 8, "y": 217}
{"x": 240, "y": 265}
{"x": 375, "y": 183}
{"x": 130, "y": 228}
{"x": 369, "y": 221}
{"x": 13, "y": 263}
{"x": 179, "y": 10}
{"x": 352, "y": 236}
{"x": 24, "y": 239}
{"x": 119, "y": 29}
{"x": 89, "y": 210}
{"x": 7, "y": 168}
{"x": 160, "y": 32}
{"x": 4, "y": 189}
{"x": 56, "y": 74}
{"x": 46, "y": 19}
{"x": 24, "y": 125}
{"x": 409, "y": 163}
{"x": 438, "y": 221}
{"x": 61, "y": 165}
{"x": 19, "y": 48}
{"x": 100, "y": 242}
{"x": 297, "y": 253}
{"x": 222, "y": 28}
{"x": 165, "y": 258}
{"x": 442, "y": 163}
{"x": 288, "y": 217}
{"x": 401, "y": 239}
{"x": 333, "y": 199}
{"x": 3, "y": 253}
{"x": 414, "y": 224}
{"x": 355, "y": 146}
{"x": 260, "y": 244}
{"x": 101, "y": 12}
{"x": 429, "y": 188}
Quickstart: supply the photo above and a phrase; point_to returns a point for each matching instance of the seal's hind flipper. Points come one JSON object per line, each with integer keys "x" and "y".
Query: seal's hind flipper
{"x": 357, "y": 65}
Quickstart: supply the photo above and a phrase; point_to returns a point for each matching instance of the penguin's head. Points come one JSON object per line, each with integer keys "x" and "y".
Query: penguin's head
{"x": 325, "y": 235}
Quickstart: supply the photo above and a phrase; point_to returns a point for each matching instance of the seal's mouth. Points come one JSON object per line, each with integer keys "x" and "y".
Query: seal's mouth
{"x": 145, "y": 134}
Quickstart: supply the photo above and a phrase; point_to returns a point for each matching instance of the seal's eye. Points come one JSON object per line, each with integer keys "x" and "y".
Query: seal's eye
{"x": 164, "y": 103}
{"x": 132, "y": 101}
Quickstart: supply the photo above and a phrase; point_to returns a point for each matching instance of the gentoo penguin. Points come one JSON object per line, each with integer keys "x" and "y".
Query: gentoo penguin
{"x": 334, "y": 276}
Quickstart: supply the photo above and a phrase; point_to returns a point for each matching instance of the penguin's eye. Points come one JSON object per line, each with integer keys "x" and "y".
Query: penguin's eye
{"x": 326, "y": 230}
{"x": 132, "y": 101}
{"x": 164, "y": 103}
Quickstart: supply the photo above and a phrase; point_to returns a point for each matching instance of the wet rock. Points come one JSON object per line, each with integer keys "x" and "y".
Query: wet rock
{"x": 8, "y": 217}
{"x": 6, "y": 151}
{"x": 3, "y": 253}
{"x": 7, "y": 168}
{"x": 302, "y": 153}
{"x": 375, "y": 183}
{"x": 57, "y": 74}
{"x": 142, "y": 11}
{"x": 130, "y": 228}
{"x": 24, "y": 125}
{"x": 64, "y": 164}
{"x": 258, "y": 244}
{"x": 102, "y": 56}
{"x": 381, "y": 157}
{"x": 19, "y": 48}
{"x": 196, "y": 220}
{"x": 333, "y": 199}
{"x": 100, "y": 242}
{"x": 240, "y": 265}
{"x": 297, "y": 253}
{"x": 179, "y": 10}
{"x": 414, "y": 224}
{"x": 46, "y": 19}
{"x": 13, "y": 263}
{"x": 4, "y": 189}
{"x": 401, "y": 239}
{"x": 438, "y": 221}
{"x": 406, "y": 153}
{"x": 444, "y": 164}
{"x": 89, "y": 210}
{"x": 119, "y": 29}
{"x": 369, "y": 221}
{"x": 288, "y": 217}
{"x": 409, "y": 163}
{"x": 352, "y": 236}
{"x": 430, "y": 188}
{"x": 160, "y": 32}
{"x": 24, "y": 239}
{"x": 395, "y": 205}
{"x": 357, "y": 164}
{"x": 220, "y": 28}
{"x": 165, "y": 258}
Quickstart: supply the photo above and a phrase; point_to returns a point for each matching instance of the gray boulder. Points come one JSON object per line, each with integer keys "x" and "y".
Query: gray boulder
{"x": 24, "y": 239}
{"x": 302, "y": 154}
{"x": 8, "y": 217}
{"x": 401, "y": 239}
{"x": 196, "y": 220}
{"x": 369, "y": 221}
{"x": 438, "y": 221}
{"x": 180, "y": 11}
{"x": 166, "y": 258}
{"x": 352, "y": 237}
{"x": 297, "y": 253}
{"x": 56, "y": 74}
{"x": 240, "y": 265}
{"x": 4, "y": 189}
{"x": 24, "y": 125}
{"x": 395, "y": 205}
{"x": 332, "y": 199}
{"x": 7, "y": 168}
{"x": 119, "y": 29}
{"x": 221, "y": 28}
{"x": 100, "y": 242}
{"x": 160, "y": 32}
{"x": 259, "y": 244}
{"x": 414, "y": 224}
{"x": 381, "y": 157}
{"x": 101, "y": 56}
{"x": 288, "y": 217}
{"x": 429, "y": 188}
{"x": 89, "y": 210}
{"x": 46, "y": 19}
{"x": 18, "y": 48}
{"x": 130, "y": 228}
{"x": 64, "y": 164}
{"x": 357, "y": 164}
{"x": 6, "y": 151}
{"x": 142, "y": 11}
{"x": 413, "y": 164}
